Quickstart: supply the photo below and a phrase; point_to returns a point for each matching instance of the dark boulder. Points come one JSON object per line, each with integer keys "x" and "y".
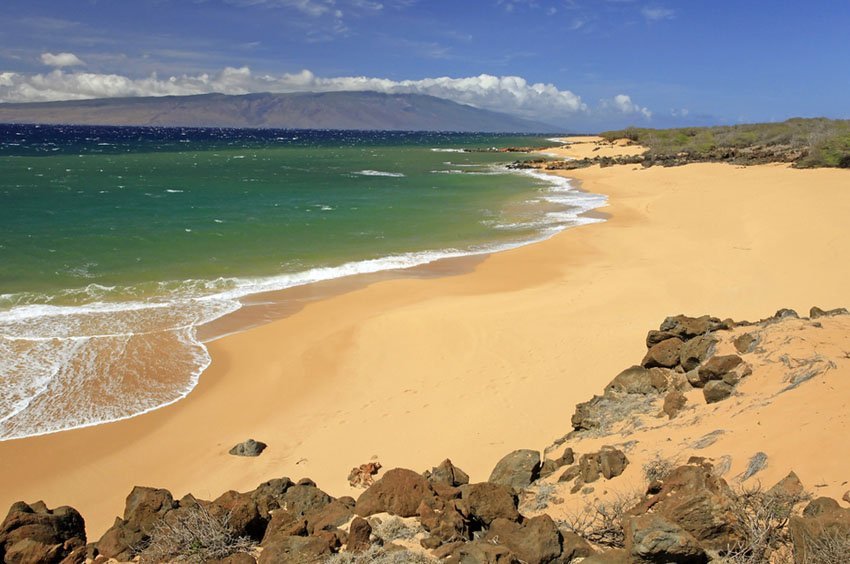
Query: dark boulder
{"x": 448, "y": 474}
{"x": 481, "y": 552}
{"x": 517, "y": 469}
{"x": 358, "y": 535}
{"x": 655, "y": 337}
{"x": 398, "y": 492}
{"x": 695, "y": 351}
{"x": 573, "y": 546}
{"x": 451, "y": 524}
{"x": 686, "y": 327}
{"x": 745, "y": 343}
{"x": 719, "y": 366}
{"x": 665, "y": 354}
{"x": 487, "y": 501}
{"x": 331, "y": 516}
{"x": 296, "y": 550}
{"x": 535, "y": 541}
{"x": 716, "y": 391}
{"x": 143, "y": 508}
{"x": 696, "y": 500}
{"x": 248, "y": 448}
{"x": 302, "y": 499}
{"x": 674, "y": 402}
{"x": 34, "y": 533}
{"x": 243, "y": 516}
{"x": 822, "y": 530}
{"x": 638, "y": 380}
{"x": 269, "y": 495}
{"x": 654, "y": 538}
{"x": 817, "y": 312}
{"x": 609, "y": 463}
{"x": 786, "y": 313}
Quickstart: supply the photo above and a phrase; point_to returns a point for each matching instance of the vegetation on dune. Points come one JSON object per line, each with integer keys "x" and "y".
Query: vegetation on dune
{"x": 818, "y": 142}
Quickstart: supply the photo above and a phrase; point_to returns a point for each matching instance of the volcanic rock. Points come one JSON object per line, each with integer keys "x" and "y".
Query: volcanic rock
{"x": 517, "y": 469}
{"x": 248, "y": 448}
{"x": 398, "y": 492}
{"x": 34, "y": 533}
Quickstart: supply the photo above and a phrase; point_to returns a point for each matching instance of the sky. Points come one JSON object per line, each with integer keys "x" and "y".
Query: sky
{"x": 582, "y": 65}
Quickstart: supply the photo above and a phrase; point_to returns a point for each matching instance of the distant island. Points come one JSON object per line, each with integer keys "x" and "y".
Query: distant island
{"x": 303, "y": 110}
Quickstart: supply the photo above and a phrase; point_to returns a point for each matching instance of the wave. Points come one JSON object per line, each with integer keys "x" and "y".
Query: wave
{"x": 379, "y": 173}
{"x": 447, "y": 150}
{"x": 100, "y": 353}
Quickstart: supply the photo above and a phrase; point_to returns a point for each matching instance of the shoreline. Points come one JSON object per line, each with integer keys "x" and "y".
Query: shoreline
{"x": 493, "y": 359}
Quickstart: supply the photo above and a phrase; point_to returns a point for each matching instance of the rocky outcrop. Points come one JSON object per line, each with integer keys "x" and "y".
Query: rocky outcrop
{"x": 448, "y": 474}
{"x": 695, "y": 500}
{"x": 665, "y": 354}
{"x": 398, "y": 492}
{"x": 487, "y": 502}
{"x": 34, "y": 533}
{"x": 517, "y": 470}
{"x": 674, "y": 403}
{"x": 535, "y": 541}
{"x": 654, "y": 538}
{"x": 821, "y": 532}
{"x": 143, "y": 508}
{"x": 249, "y": 447}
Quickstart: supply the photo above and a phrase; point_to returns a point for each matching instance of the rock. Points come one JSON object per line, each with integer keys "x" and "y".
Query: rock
{"x": 449, "y": 525}
{"x": 269, "y": 495}
{"x": 480, "y": 552}
{"x": 846, "y": 496}
{"x": 652, "y": 537}
{"x": 816, "y": 312}
{"x": 716, "y": 391}
{"x": 517, "y": 469}
{"x": 535, "y": 541}
{"x": 573, "y": 546}
{"x": 302, "y": 499}
{"x": 665, "y": 354}
{"x": 488, "y": 501}
{"x": 248, "y": 448}
{"x": 398, "y": 492}
{"x": 788, "y": 487}
{"x": 358, "y": 535}
{"x": 568, "y": 457}
{"x": 243, "y": 516}
{"x": 638, "y": 380}
{"x": 295, "y": 550}
{"x": 284, "y": 524}
{"x": 745, "y": 343}
{"x": 823, "y": 522}
{"x": 785, "y": 313}
{"x": 695, "y": 351}
{"x": 331, "y": 516}
{"x": 447, "y": 473}
{"x": 655, "y": 337}
{"x": 306, "y": 482}
{"x": 144, "y": 507}
{"x": 674, "y": 402}
{"x": 34, "y": 533}
{"x": 587, "y": 415}
{"x": 570, "y": 473}
{"x": 717, "y": 367}
{"x": 548, "y": 468}
{"x": 696, "y": 500}
{"x": 686, "y": 327}
{"x": 363, "y": 475}
{"x": 609, "y": 463}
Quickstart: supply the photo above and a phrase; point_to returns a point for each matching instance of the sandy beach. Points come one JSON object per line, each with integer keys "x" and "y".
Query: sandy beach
{"x": 472, "y": 365}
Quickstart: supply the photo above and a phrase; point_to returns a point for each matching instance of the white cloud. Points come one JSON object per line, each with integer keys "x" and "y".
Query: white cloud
{"x": 511, "y": 94}
{"x": 623, "y": 103}
{"x": 656, "y": 13}
{"x": 61, "y": 60}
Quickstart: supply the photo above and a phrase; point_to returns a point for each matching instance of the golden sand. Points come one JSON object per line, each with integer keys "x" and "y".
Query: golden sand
{"x": 469, "y": 366}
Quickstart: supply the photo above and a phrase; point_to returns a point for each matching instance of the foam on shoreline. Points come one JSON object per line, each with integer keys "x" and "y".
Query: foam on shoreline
{"x": 62, "y": 350}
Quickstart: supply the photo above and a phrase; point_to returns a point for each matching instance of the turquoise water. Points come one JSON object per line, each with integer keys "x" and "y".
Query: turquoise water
{"x": 116, "y": 243}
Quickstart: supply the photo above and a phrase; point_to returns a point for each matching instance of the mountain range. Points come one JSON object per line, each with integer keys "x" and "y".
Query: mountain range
{"x": 303, "y": 110}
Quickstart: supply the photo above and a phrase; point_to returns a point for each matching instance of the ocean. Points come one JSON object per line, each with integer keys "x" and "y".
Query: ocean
{"x": 118, "y": 243}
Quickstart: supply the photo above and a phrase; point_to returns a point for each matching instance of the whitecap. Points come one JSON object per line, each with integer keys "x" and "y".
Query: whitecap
{"x": 379, "y": 173}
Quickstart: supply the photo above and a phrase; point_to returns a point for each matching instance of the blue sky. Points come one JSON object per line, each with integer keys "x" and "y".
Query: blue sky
{"x": 580, "y": 64}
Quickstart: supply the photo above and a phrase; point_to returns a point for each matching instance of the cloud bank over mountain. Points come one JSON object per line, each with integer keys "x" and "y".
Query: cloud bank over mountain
{"x": 509, "y": 94}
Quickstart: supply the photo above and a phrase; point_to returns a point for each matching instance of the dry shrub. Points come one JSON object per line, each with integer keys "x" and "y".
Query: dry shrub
{"x": 831, "y": 547}
{"x": 601, "y": 521}
{"x": 394, "y": 528}
{"x": 657, "y": 469}
{"x": 539, "y": 498}
{"x": 761, "y": 524}
{"x": 194, "y": 535}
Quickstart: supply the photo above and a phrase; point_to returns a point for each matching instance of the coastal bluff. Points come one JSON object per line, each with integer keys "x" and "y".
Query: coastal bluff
{"x": 723, "y": 443}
